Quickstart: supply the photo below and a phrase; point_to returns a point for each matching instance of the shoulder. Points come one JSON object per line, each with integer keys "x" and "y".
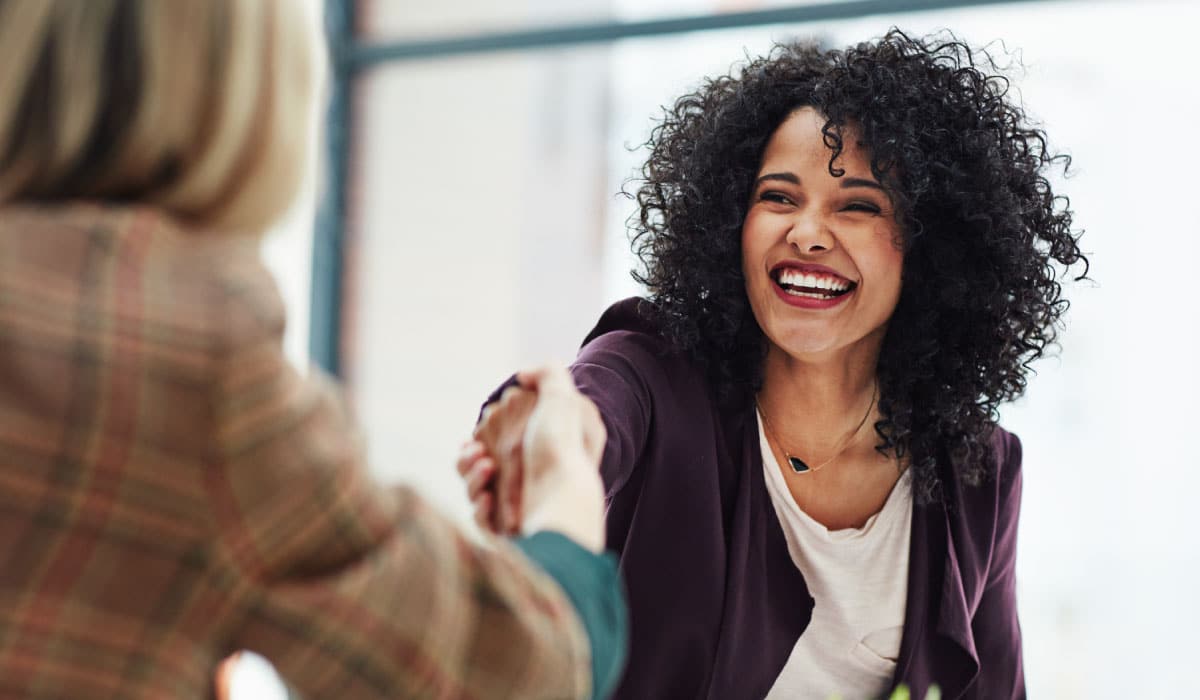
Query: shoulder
{"x": 627, "y": 364}
{"x": 215, "y": 285}
{"x": 627, "y": 339}
{"x": 1007, "y": 453}
{"x": 990, "y": 507}
{"x": 631, "y": 315}
{"x": 190, "y": 292}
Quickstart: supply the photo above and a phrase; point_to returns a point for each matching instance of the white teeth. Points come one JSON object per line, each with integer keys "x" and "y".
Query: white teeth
{"x": 795, "y": 278}
{"x": 807, "y": 295}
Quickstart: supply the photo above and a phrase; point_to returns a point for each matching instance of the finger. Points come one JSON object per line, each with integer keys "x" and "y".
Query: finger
{"x": 484, "y": 511}
{"x": 484, "y": 417}
{"x": 499, "y": 415}
{"x": 480, "y": 478}
{"x": 508, "y": 495}
{"x": 507, "y": 425}
{"x": 470, "y": 452}
{"x": 510, "y": 394}
{"x": 516, "y": 501}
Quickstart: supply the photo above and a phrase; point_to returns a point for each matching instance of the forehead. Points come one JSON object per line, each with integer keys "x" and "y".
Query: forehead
{"x": 798, "y": 143}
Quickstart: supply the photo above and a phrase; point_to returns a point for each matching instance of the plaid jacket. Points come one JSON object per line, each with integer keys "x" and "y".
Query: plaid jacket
{"x": 171, "y": 491}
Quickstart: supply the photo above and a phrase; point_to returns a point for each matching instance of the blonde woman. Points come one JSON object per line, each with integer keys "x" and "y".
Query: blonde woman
{"x": 170, "y": 490}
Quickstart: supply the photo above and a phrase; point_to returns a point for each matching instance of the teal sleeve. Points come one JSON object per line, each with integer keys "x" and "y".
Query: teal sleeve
{"x": 594, "y": 586}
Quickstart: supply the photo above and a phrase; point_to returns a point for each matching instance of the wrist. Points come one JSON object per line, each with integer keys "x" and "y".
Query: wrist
{"x": 572, "y": 504}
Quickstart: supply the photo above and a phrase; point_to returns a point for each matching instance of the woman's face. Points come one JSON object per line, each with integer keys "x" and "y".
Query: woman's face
{"x": 820, "y": 253}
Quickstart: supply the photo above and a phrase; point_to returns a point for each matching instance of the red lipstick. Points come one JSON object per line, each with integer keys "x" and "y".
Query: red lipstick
{"x": 809, "y": 286}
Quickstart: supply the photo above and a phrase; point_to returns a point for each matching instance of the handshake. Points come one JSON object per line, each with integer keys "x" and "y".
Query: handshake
{"x": 533, "y": 462}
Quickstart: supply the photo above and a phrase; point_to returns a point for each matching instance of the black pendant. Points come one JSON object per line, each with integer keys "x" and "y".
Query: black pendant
{"x": 798, "y": 464}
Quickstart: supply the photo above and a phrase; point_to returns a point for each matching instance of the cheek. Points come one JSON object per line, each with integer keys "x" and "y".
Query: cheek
{"x": 885, "y": 261}
{"x": 752, "y": 247}
{"x": 893, "y": 277}
{"x": 761, "y": 231}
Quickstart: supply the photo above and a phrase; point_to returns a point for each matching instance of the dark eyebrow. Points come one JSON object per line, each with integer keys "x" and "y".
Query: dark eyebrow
{"x": 860, "y": 182}
{"x": 786, "y": 177}
{"x": 847, "y": 182}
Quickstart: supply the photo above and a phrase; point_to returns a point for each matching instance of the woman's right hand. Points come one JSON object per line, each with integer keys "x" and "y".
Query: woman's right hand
{"x": 534, "y": 462}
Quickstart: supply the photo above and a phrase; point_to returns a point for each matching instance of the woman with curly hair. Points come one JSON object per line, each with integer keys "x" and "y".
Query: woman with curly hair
{"x": 852, "y": 258}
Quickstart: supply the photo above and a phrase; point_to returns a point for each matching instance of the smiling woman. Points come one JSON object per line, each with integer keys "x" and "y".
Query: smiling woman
{"x": 830, "y": 238}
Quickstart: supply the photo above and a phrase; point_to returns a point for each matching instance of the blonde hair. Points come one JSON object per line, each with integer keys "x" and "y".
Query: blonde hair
{"x": 201, "y": 107}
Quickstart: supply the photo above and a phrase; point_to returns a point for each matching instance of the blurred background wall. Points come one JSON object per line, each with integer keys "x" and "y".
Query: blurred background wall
{"x": 484, "y": 233}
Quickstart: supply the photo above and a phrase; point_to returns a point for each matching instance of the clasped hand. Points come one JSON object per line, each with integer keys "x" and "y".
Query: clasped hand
{"x": 533, "y": 461}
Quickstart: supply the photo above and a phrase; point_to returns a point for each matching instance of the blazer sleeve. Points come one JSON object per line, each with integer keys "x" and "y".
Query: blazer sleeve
{"x": 356, "y": 591}
{"x": 995, "y": 626}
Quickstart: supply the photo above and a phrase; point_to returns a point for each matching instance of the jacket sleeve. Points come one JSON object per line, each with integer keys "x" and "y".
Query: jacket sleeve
{"x": 615, "y": 372}
{"x": 995, "y": 626}
{"x": 352, "y": 590}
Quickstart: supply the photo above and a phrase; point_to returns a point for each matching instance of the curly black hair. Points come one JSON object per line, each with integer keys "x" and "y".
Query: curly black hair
{"x": 982, "y": 230}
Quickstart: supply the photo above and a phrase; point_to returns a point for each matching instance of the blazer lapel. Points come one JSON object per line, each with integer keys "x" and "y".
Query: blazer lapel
{"x": 959, "y": 662}
{"x": 938, "y": 646}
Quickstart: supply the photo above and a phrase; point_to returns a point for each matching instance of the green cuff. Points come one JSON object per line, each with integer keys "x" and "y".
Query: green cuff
{"x": 593, "y": 585}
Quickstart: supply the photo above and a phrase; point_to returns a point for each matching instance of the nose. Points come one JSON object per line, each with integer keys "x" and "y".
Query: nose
{"x": 810, "y": 234}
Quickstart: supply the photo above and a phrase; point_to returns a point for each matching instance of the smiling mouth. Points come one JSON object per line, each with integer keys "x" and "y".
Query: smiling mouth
{"x": 812, "y": 286}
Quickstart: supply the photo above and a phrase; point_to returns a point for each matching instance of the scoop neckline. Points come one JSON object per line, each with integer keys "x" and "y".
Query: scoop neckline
{"x": 781, "y": 492}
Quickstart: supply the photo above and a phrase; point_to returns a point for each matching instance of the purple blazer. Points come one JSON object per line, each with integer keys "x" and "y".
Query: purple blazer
{"x": 715, "y": 602}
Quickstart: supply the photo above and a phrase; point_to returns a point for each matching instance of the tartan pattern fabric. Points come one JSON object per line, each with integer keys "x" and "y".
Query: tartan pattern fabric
{"x": 172, "y": 491}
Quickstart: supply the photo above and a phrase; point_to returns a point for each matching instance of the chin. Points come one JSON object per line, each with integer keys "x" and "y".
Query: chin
{"x": 804, "y": 345}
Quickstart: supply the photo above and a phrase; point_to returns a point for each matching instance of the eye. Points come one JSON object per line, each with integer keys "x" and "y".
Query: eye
{"x": 774, "y": 196}
{"x": 864, "y": 207}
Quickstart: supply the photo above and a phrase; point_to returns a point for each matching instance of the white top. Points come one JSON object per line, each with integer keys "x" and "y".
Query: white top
{"x": 859, "y": 580}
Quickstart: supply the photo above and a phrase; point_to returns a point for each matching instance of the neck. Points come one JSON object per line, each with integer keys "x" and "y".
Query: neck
{"x": 815, "y": 401}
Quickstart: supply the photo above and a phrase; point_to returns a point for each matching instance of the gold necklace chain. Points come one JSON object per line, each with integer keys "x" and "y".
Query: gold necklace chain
{"x": 800, "y": 466}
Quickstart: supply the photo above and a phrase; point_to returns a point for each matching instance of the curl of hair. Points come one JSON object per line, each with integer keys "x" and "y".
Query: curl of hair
{"x": 984, "y": 235}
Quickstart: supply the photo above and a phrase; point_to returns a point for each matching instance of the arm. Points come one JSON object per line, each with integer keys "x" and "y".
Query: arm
{"x": 353, "y": 591}
{"x": 611, "y": 372}
{"x": 623, "y": 401}
{"x": 995, "y": 625}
